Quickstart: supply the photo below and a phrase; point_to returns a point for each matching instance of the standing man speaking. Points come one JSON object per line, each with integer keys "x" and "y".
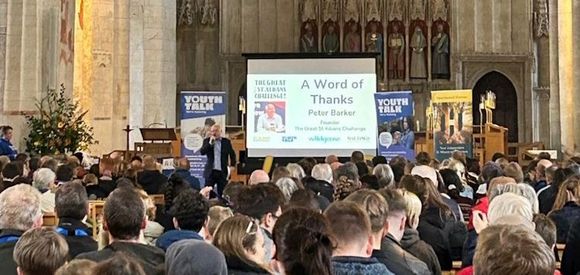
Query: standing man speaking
{"x": 217, "y": 149}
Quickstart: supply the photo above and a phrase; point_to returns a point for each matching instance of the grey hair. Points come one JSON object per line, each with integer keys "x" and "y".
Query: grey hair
{"x": 349, "y": 170}
{"x": 322, "y": 171}
{"x": 521, "y": 189}
{"x": 529, "y": 193}
{"x": 288, "y": 186}
{"x": 42, "y": 179}
{"x": 509, "y": 204}
{"x": 296, "y": 171}
{"x": 19, "y": 207}
{"x": 384, "y": 173}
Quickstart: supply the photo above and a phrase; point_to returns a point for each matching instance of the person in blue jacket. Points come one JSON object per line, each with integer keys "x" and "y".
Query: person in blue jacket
{"x": 6, "y": 148}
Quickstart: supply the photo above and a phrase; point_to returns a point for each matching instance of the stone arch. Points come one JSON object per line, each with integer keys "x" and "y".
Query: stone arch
{"x": 506, "y": 96}
{"x": 517, "y": 69}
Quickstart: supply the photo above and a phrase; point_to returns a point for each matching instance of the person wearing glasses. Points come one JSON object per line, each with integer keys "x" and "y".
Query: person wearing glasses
{"x": 242, "y": 242}
{"x": 262, "y": 202}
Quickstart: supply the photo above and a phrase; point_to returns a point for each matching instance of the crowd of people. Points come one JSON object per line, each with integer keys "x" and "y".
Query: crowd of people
{"x": 311, "y": 217}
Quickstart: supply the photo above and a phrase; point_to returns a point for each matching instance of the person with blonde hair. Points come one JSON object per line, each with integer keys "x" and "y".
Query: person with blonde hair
{"x": 242, "y": 242}
{"x": 514, "y": 170}
{"x": 153, "y": 229}
{"x": 40, "y": 251}
{"x": 411, "y": 241}
{"x": 566, "y": 208}
{"x": 217, "y": 214}
{"x": 296, "y": 171}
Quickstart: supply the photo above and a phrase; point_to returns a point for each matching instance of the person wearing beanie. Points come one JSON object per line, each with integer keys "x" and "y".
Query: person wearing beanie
{"x": 194, "y": 257}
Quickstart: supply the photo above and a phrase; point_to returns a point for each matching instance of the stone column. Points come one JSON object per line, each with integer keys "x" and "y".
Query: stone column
{"x": 555, "y": 125}
{"x": 136, "y": 58}
{"x": 3, "y": 21}
{"x": 576, "y": 70}
{"x": 566, "y": 72}
{"x": 541, "y": 108}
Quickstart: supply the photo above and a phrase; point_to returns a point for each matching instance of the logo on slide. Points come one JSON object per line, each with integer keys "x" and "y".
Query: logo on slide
{"x": 289, "y": 138}
{"x": 324, "y": 139}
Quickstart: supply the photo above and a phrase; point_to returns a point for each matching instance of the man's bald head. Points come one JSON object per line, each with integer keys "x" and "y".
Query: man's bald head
{"x": 258, "y": 176}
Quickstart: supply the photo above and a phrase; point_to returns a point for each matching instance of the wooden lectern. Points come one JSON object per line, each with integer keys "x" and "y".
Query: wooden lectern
{"x": 488, "y": 140}
{"x": 157, "y": 142}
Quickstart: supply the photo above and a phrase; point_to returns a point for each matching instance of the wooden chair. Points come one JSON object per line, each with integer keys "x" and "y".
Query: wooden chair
{"x": 49, "y": 220}
{"x": 158, "y": 199}
{"x": 95, "y": 214}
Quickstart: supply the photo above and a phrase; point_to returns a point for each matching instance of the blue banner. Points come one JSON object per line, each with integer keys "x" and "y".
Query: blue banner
{"x": 395, "y": 124}
{"x": 200, "y": 111}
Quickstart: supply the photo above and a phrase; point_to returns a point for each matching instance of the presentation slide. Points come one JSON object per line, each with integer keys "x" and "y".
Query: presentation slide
{"x": 311, "y": 107}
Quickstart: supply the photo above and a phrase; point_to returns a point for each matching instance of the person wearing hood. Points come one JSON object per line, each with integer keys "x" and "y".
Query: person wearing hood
{"x": 192, "y": 257}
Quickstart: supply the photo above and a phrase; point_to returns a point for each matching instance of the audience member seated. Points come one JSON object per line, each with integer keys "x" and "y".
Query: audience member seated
{"x": 303, "y": 243}
{"x": 182, "y": 170}
{"x": 9, "y": 174}
{"x": 288, "y": 186}
{"x": 189, "y": 212}
{"x": 353, "y": 249}
{"x": 514, "y": 170}
{"x": 357, "y": 156}
{"x": 153, "y": 229}
{"x": 64, "y": 174}
{"x": 49, "y": 163}
{"x": 330, "y": 159}
{"x": 434, "y": 217}
{"x": 505, "y": 205}
{"x": 458, "y": 167}
{"x": 175, "y": 186}
{"x": 346, "y": 181}
{"x": 39, "y": 251}
{"x": 546, "y": 228}
{"x": 241, "y": 241}
{"x": 258, "y": 176}
{"x": 540, "y": 180}
{"x": 217, "y": 214}
{"x": 307, "y": 164}
{"x": 296, "y": 171}
{"x": 280, "y": 172}
{"x": 511, "y": 249}
{"x": 262, "y": 202}
{"x": 570, "y": 263}
{"x": 307, "y": 199}
{"x": 77, "y": 267}
{"x": 566, "y": 209}
{"x": 194, "y": 257}
{"x": 423, "y": 169}
{"x": 548, "y": 196}
{"x": 151, "y": 179}
{"x": 322, "y": 181}
{"x": 387, "y": 230}
{"x": 411, "y": 241}
{"x": 19, "y": 211}
{"x": 384, "y": 174}
{"x": 121, "y": 263}
{"x": 71, "y": 205}
{"x": 124, "y": 218}
{"x": 44, "y": 180}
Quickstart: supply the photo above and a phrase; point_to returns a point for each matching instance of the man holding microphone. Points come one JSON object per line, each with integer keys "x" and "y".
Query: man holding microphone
{"x": 217, "y": 149}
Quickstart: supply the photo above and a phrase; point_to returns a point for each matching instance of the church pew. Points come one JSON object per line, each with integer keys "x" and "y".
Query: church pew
{"x": 49, "y": 220}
